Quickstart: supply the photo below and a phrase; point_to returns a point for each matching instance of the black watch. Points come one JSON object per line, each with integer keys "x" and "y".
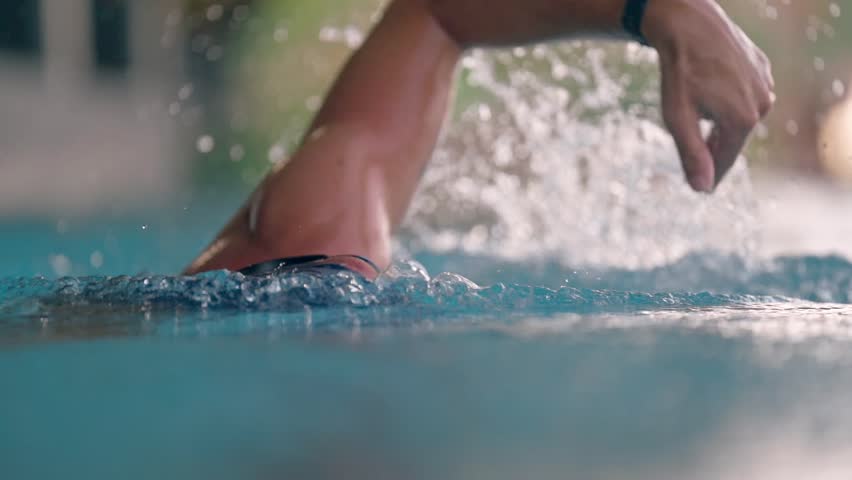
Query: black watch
{"x": 634, "y": 11}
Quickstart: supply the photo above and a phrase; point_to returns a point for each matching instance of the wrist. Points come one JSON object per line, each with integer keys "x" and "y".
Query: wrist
{"x": 666, "y": 21}
{"x": 512, "y": 22}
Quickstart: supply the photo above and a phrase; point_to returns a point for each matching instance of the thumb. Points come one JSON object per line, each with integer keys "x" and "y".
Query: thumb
{"x": 682, "y": 120}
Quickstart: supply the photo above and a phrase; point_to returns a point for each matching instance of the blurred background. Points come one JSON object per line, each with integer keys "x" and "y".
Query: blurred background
{"x": 130, "y": 130}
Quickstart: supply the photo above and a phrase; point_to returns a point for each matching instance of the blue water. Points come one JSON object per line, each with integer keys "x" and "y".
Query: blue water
{"x": 712, "y": 367}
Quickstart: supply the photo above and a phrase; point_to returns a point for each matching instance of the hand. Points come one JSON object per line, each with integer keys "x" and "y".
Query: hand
{"x": 711, "y": 70}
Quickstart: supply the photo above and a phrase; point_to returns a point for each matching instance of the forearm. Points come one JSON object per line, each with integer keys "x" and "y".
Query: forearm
{"x": 510, "y": 22}
{"x": 351, "y": 181}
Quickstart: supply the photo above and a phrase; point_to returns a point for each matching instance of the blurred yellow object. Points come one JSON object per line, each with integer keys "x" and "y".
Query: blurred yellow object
{"x": 835, "y": 141}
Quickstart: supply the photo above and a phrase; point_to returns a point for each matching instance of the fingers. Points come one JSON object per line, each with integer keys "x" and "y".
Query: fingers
{"x": 765, "y": 68}
{"x": 727, "y": 80}
{"x": 725, "y": 145}
{"x": 733, "y": 126}
{"x": 681, "y": 118}
{"x": 706, "y": 163}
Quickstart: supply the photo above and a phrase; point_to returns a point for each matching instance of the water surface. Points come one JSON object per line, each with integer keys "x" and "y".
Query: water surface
{"x": 566, "y": 374}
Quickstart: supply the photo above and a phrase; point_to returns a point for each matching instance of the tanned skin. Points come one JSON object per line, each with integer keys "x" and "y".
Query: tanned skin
{"x": 346, "y": 190}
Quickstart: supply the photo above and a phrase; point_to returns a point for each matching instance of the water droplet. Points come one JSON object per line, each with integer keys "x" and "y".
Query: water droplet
{"x": 185, "y": 91}
{"x": 834, "y": 10}
{"x": 237, "y": 153}
{"x": 313, "y": 103}
{"x": 792, "y": 127}
{"x": 771, "y": 13}
{"x": 214, "y": 12}
{"x": 60, "y": 264}
{"x": 352, "y": 36}
{"x": 838, "y": 88}
{"x": 281, "y": 34}
{"x": 484, "y": 112}
{"x": 96, "y": 259}
{"x": 205, "y": 144}
{"x": 329, "y": 34}
{"x": 812, "y": 33}
{"x": 559, "y": 71}
{"x": 277, "y": 153}
{"x": 174, "y": 109}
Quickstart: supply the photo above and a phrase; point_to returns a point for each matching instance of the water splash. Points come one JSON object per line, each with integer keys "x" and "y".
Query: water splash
{"x": 812, "y": 278}
{"x": 405, "y": 284}
{"x": 406, "y": 297}
{"x": 563, "y": 158}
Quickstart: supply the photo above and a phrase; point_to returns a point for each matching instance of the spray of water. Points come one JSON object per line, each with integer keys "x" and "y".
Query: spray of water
{"x": 563, "y": 158}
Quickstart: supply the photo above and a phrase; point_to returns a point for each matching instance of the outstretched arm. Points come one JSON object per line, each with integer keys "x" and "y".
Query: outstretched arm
{"x": 349, "y": 185}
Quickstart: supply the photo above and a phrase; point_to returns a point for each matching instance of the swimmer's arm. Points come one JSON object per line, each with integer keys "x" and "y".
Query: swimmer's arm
{"x": 349, "y": 185}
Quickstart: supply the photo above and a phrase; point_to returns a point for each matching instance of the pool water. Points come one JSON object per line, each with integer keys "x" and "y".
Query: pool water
{"x": 709, "y": 367}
